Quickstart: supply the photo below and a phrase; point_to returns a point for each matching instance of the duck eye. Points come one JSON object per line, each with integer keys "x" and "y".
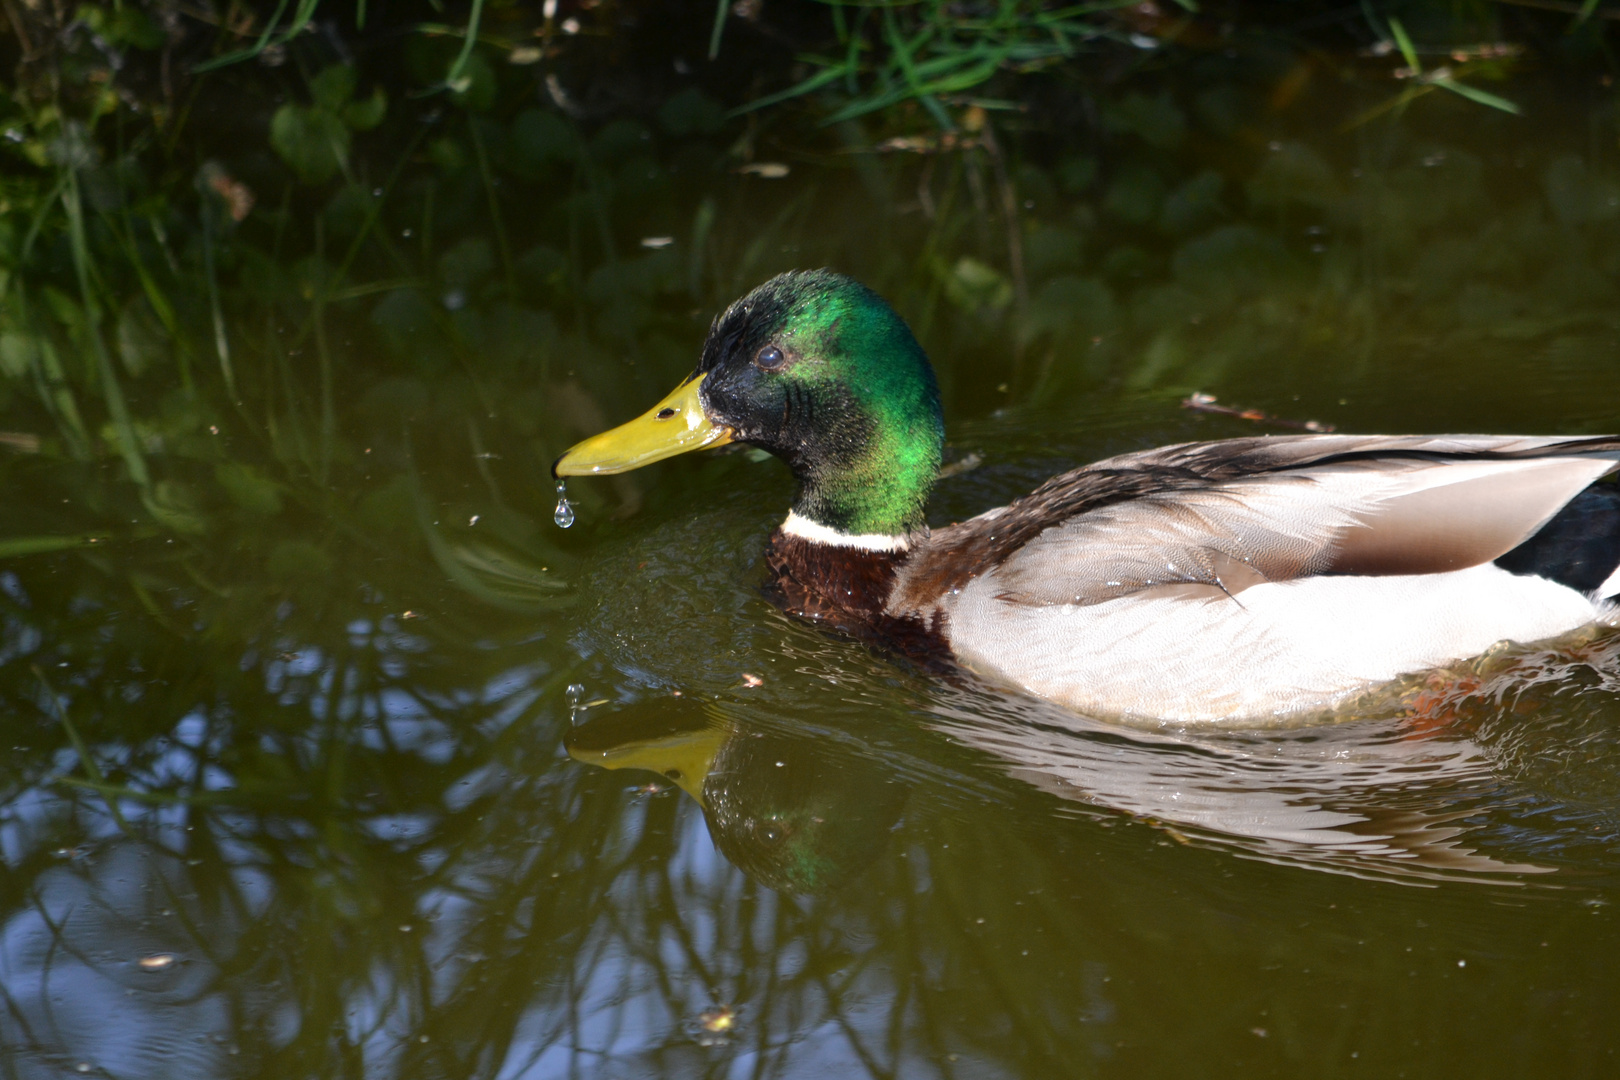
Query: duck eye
{"x": 770, "y": 358}
{"x": 771, "y": 833}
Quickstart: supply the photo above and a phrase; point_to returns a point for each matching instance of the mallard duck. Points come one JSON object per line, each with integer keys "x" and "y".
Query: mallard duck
{"x": 1234, "y": 581}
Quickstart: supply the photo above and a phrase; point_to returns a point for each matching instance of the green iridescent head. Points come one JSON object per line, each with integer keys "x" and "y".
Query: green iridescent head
{"x": 819, "y": 370}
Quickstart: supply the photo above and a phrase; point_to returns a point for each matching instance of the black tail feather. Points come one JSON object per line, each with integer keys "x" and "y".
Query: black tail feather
{"x": 1579, "y": 546}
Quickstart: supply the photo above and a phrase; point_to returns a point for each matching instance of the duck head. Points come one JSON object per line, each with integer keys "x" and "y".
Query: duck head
{"x": 819, "y": 370}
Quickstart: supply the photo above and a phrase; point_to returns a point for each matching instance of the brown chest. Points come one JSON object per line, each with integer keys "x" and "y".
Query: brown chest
{"x": 847, "y": 589}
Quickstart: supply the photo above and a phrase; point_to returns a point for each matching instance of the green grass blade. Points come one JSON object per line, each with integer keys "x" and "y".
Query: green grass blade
{"x": 866, "y": 105}
{"x": 458, "y": 69}
{"x": 720, "y": 9}
{"x": 1063, "y": 15}
{"x": 251, "y": 51}
{"x": 902, "y": 51}
{"x": 1395, "y": 104}
{"x": 813, "y": 83}
{"x": 117, "y": 407}
{"x": 1404, "y": 43}
{"x": 13, "y": 547}
{"x": 222, "y": 341}
{"x": 1477, "y": 95}
{"x": 929, "y": 69}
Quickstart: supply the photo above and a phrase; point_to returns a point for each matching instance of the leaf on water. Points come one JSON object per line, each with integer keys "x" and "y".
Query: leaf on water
{"x": 174, "y": 506}
{"x": 313, "y": 141}
{"x": 64, "y": 307}
{"x": 143, "y": 341}
{"x": 364, "y": 114}
{"x": 691, "y": 112}
{"x": 19, "y": 352}
{"x": 974, "y": 285}
{"x": 539, "y": 138}
{"x": 475, "y": 89}
{"x": 1155, "y": 120}
{"x": 468, "y": 263}
{"x": 123, "y": 26}
{"x": 249, "y": 488}
{"x": 333, "y": 87}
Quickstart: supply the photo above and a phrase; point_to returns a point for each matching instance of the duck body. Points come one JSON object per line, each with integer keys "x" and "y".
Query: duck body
{"x": 1242, "y": 581}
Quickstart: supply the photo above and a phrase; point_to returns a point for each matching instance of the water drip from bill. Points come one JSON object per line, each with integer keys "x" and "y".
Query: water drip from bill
{"x": 564, "y": 515}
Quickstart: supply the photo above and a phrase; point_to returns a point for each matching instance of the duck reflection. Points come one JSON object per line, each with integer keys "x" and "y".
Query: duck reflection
{"x": 800, "y": 811}
{"x": 795, "y": 813}
{"x": 1368, "y": 798}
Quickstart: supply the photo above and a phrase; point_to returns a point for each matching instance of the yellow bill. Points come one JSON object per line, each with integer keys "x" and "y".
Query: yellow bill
{"x": 684, "y": 757}
{"x": 673, "y": 426}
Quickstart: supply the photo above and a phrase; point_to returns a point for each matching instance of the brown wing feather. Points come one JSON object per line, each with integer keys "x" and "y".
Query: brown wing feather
{"x": 1190, "y": 518}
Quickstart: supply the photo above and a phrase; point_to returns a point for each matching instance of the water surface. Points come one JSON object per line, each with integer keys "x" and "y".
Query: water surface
{"x": 366, "y": 769}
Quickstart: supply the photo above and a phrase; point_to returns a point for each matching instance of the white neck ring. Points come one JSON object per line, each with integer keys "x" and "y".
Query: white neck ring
{"x": 816, "y": 533}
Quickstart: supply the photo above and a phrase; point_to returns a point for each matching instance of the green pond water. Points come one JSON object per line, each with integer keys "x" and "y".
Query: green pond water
{"x": 354, "y": 764}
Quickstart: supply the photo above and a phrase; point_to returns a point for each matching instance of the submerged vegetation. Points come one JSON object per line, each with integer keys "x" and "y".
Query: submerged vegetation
{"x": 252, "y": 250}
{"x": 298, "y": 302}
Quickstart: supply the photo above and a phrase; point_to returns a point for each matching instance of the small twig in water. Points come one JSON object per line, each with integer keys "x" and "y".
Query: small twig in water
{"x": 1206, "y": 403}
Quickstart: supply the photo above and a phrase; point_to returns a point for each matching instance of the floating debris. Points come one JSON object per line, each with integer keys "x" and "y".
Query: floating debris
{"x": 714, "y": 1026}
{"x": 967, "y": 463}
{"x": 1206, "y": 403}
{"x": 765, "y": 170}
{"x": 945, "y": 142}
{"x": 656, "y": 242}
{"x": 157, "y": 962}
{"x": 750, "y": 679}
{"x": 237, "y": 196}
{"x": 564, "y": 515}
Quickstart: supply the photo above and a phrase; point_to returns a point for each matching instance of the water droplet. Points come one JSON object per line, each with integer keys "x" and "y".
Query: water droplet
{"x": 564, "y": 517}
